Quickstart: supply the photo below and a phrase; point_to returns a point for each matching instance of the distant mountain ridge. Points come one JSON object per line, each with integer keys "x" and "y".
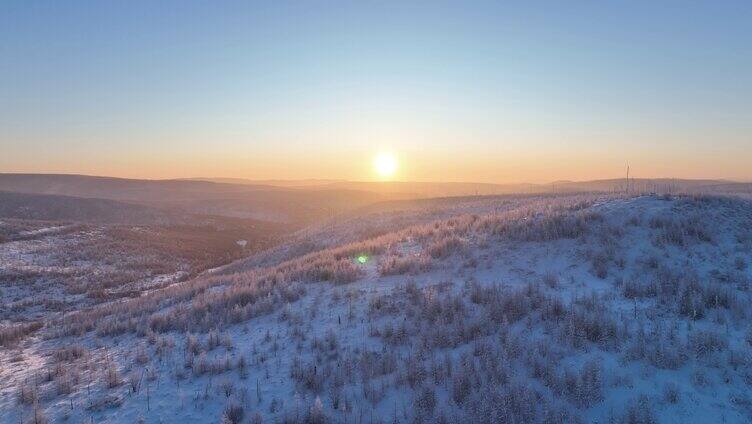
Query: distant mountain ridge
{"x": 293, "y": 201}
{"x": 118, "y": 188}
{"x": 309, "y": 182}
{"x": 448, "y": 189}
{"x": 255, "y": 201}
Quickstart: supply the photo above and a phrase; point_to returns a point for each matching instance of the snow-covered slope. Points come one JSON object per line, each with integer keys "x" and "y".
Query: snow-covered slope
{"x": 561, "y": 309}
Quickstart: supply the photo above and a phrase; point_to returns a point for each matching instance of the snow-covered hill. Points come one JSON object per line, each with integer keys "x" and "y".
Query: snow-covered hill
{"x": 545, "y": 309}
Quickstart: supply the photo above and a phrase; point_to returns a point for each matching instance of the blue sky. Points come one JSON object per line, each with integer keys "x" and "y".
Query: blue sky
{"x": 484, "y": 91}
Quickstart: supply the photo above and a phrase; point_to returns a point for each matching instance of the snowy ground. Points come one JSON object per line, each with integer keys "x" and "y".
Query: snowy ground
{"x": 47, "y": 271}
{"x": 639, "y": 316}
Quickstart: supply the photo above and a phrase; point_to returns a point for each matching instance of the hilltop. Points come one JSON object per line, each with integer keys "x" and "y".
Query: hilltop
{"x": 531, "y": 309}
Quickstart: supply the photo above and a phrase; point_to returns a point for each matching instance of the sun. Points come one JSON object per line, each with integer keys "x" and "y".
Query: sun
{"x": 385, "y": 164}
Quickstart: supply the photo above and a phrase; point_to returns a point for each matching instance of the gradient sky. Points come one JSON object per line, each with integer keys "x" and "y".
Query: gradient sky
{"x": 459, "y": 91}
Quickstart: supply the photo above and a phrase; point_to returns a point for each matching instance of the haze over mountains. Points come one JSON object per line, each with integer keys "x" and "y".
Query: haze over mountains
{"x": 178, "y": 189}
{"x": 296, "y": 202}
{"x": 256, "y": 201}
{"x": 439, "y": 189}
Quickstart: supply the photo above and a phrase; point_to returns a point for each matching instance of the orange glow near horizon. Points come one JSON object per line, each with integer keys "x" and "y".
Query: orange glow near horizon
{"x": 418, "y": 156}
{"x": 413, "y": 165}
{"x": 490, "y": 94}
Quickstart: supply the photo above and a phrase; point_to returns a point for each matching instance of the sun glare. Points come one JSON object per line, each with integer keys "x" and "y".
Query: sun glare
{"x": 385, "y": 165}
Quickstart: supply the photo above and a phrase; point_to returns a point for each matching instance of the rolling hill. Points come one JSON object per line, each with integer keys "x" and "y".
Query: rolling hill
{"x": 262, "y": 202}
{"x": 537, "y": 309}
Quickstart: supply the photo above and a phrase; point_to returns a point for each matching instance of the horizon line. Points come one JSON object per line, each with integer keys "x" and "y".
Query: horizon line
{"x": 340, "y": 180}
